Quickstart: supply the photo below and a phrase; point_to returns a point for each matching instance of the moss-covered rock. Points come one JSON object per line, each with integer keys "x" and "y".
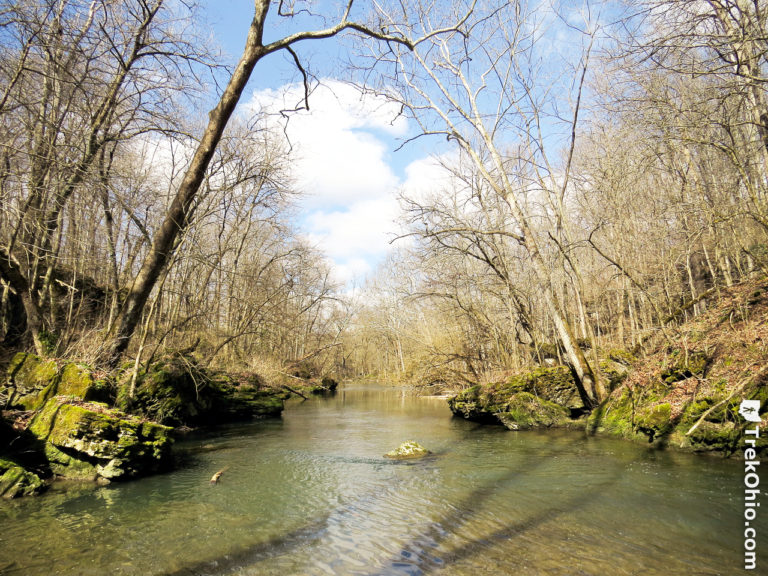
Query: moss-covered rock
{"x": 88, "y": 440}
{"x": 683, "y": 365}
{"x": 621, "y": 356}
{"x": 613, "y": 373}
{"x": 525, "y": 411}
{"x": 408, "y": 450}
{"x": 724, "y": 437}
{"x": 654, "y": 420}
{"x": 553, "y": 384}
{"x": 475, "y": 404}
{"x": 177, "y": 392}
{"x": 614, "y": 416}
{"x": 78, "y": 380}
{"x": 16, "y": 481}
{"x": 31, "y": 381}
{"x": 547, "y": 385}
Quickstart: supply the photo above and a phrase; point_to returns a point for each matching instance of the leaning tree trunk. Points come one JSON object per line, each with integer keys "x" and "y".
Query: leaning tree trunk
{"x": 181, "y": 209}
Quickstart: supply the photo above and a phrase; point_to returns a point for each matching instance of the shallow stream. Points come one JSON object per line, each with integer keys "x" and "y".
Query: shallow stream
{"x": 311, "y": 494}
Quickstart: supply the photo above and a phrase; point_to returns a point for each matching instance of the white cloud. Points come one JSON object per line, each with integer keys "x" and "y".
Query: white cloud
{"x": 340, "y": 145}
{"x": 341, "y": 161}
{"x": 355, "y": 238}
{"x": 428, "y": 176}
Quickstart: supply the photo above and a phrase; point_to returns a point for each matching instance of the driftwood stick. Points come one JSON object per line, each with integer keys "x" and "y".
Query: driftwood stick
{"x": 215, "y": 477}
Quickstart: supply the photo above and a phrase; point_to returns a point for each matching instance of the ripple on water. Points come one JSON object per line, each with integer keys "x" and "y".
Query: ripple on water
{"x": 311, "y": 494}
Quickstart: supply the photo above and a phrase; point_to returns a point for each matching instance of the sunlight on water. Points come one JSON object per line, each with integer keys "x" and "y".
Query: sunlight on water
{"x": 312, "y": 494}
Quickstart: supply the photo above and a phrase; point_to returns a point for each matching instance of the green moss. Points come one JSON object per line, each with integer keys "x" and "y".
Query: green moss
{"x": 654, "y": 421}
{"x": 76, "y": 380}
{"x": 722, "y": 437}
{"x": 553, "y": 389}
{"x": 176, "y": 391}
{"x": 614, "y": 416}
{"x": 471, "y": 405}
{"x": 555, "y": 384}
{"x": 84, "y": 441}
{"x": 16, "y": 481}
{"x": 32, "y": 381}
{"x": 68, "y": 466}
{"x": 622, "y": 356}
{"x": 685, "y": 365}
{"x": 408, "y": 450}
{"x": 525, "y": 411}
{"x": 613, "y": 373}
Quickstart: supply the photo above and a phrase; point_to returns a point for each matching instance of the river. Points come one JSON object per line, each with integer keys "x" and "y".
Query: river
{"x": 311, "y": 494}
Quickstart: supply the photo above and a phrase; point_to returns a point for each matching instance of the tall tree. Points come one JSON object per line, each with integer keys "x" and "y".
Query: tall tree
{"x": 78, "y": 78}
{"x": 488, "y": 88}
{"x": 181, "y": 209}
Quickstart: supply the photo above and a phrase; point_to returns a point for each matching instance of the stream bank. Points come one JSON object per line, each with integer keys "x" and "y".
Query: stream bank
{"x": 66, "y": 420}
{"x": 682, "y": 389}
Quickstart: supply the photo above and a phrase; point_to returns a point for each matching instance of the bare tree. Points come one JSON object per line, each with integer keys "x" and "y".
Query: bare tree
{"x": 485, "y": 88}
{"x": 80, "y": 79}
{"x": 182, "y": 207}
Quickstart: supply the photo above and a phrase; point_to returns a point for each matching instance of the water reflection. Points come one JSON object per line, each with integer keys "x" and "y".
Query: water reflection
{"x": 312, "y": 494}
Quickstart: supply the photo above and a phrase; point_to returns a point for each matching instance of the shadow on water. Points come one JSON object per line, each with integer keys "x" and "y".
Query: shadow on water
{"x": 271, "y": 548}
{"x": 414, "y": 558}
{"x": 413, "y": 562}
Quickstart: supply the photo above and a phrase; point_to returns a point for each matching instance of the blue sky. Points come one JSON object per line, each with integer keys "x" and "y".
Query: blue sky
{"x": 345, "y": 157}
{"x": 344, "y": 154}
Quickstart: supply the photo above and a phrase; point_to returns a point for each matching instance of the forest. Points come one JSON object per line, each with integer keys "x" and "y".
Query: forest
{"x": 591, "y": 201}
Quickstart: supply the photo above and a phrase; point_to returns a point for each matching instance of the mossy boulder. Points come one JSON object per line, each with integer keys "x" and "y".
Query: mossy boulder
{"x": 177, "y": 392}
{"x": 654, "y": 420}
{"x": 476, "y": 404}
{"x": 408, "y": 450}
{"x": 245, "y": 400}
{"x": 685, "y": 364}
{"x": 549, "y": 384}
{"x": 16, "y": 481}
{"x": 32, "y": 381}
{"x": 613, "y": 372}
{"x": 725, "y": 437}
{"x": 525, "y": 411}
{"x": 78, "y": 380}
{"x": 554, "y": 384}
{"x": 89, "y": 440}
{"x": 614, "y": 416}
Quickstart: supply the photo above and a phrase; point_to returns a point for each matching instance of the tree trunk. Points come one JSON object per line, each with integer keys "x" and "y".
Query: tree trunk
{"x": 181, "y": 209}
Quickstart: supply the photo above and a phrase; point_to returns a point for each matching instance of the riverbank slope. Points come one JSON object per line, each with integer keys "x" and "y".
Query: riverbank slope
{"x": 682, "y": 388}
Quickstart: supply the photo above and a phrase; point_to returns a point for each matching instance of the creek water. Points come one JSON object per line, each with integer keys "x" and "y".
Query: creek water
{"x": 312, "y": 494}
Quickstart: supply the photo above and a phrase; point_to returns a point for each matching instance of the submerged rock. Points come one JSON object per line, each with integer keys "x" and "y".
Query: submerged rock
{"x": 408, "y": 450}
{"x": 90, "y": 441}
